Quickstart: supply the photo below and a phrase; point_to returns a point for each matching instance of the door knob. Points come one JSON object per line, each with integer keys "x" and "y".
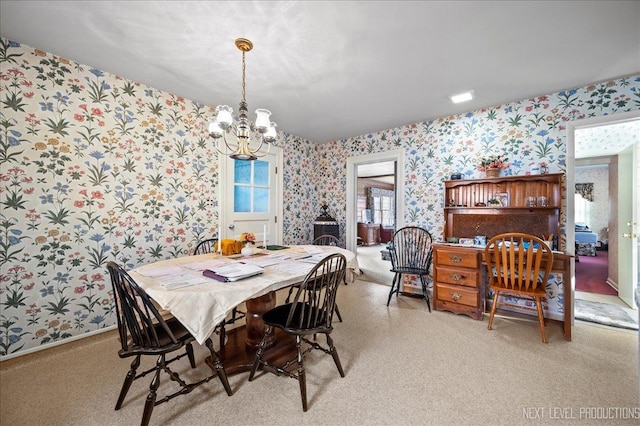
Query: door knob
{"x": 232, "y": 226}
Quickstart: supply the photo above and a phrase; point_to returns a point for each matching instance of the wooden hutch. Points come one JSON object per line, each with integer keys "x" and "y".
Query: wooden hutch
{"x": 488, "y": 207}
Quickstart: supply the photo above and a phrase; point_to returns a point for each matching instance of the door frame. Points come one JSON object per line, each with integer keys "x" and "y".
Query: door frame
{"x": 570, "y": 180}
{"x": 224, "y": 163}
{"x": 396, "y": 155}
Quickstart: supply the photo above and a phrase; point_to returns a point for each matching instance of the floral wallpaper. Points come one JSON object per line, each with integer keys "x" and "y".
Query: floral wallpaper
{"x": 95, "y": 167}
{"x": 528, "y": 132}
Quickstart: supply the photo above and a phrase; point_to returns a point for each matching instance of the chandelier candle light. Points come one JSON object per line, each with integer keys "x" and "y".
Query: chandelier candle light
{"x": 222, "y": 126}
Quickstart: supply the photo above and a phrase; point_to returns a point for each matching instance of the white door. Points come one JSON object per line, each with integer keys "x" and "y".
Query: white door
{"x": 251, "y": 197}
{"x": 627, "y": 225}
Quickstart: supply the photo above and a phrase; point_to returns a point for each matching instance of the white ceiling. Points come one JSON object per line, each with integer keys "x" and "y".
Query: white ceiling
{"x": 329, "y": 70}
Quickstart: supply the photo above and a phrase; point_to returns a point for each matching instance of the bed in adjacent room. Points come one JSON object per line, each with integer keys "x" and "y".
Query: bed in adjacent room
{"x": 586, "y": 240}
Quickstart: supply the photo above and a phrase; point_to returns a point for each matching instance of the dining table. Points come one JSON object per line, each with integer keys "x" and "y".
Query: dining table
{"x": 201, "y": 303}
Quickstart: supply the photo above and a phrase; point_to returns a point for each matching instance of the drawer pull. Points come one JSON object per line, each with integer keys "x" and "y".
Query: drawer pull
{"x": 457, "y": 277}
{"x": 455, "y": 297}
{"x": 455, "y": 259}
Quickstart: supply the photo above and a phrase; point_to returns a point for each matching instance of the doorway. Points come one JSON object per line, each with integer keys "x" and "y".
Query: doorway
{"x": 251, "y": 197}
{"x": 619, "y": 152}
{"x": 375, "y": 209}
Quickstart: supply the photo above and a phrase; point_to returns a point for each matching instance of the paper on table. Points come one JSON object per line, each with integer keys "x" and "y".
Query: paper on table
{"x": 313, "y": 249}
{"x": 268, "y": 260}
{"x": 179, "y": 281}
{"x": 201, "y": 265}
{"x": 315, "y": 258}
{"x": 159, "y": 271}
{"x": 293, "y": 267}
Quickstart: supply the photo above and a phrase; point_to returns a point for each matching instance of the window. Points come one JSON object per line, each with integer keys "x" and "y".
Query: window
{"x": 383, "y": 210}
{"x": 251, "y": 186}
{"x": 582, "y": 210}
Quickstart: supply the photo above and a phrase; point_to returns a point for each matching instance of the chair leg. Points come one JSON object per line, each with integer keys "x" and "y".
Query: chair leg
{"x": 131, "y": 376}
{"x": 259, "y": 352}
{"x": 425, "y": 292}
{"x": 289, "y": 295}
{"x": 538, "y": 301}
{"x": 223, "y": 334}
{"x": 338, "y": 313}
{"x": 393, "y": 285}
{"x": 192, "y": 359}
{"x": 493, "y": 309}
{"x": 153, "y": 389}
{"x": 222, "y": 375}
{"x": 334, "y": 355}
{"x": 398, "y": 284}
{"x": 302, "y": 377}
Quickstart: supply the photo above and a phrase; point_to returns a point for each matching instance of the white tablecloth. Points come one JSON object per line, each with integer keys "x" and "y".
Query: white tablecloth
{"x": 205, "y": 303}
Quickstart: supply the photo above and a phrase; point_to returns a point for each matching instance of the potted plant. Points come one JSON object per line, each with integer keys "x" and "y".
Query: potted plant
{"x": 493, "y": 164}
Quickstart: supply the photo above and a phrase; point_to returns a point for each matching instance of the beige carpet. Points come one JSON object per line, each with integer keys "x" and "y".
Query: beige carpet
{"x": 404, "y": 366}
{"x": 372, "y": 267}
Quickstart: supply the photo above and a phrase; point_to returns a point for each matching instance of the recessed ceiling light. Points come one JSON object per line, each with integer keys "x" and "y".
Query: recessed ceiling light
{"x": 462, "y": 97}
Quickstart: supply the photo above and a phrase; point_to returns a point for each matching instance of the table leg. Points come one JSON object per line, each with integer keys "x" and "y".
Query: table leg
{"x": 255, "y": 327}
{"x": 239, "y": 352}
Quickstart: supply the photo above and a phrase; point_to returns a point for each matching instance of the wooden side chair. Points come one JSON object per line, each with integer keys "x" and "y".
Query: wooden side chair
{"x": 327, "y": 240}
{"x": 322, "y": 240}
{"x": 206, "y": 246}
{"x": 518, "y": 264}
{"x": 209, "y": 246}
{"x": 143, "y": 331}
{"x": 411, "y": 254}
{"x": 309, "y": 313}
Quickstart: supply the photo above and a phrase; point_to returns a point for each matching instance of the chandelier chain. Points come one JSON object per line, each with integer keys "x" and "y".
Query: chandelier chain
{"x": 244, "y": 89}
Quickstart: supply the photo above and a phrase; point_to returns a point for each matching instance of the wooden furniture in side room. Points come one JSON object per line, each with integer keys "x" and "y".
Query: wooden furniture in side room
{"x": 457, "y": 281}
{"x": 369, "y": 232}
{"x": 518, "y": 264}
{"x": 386, "y": 234}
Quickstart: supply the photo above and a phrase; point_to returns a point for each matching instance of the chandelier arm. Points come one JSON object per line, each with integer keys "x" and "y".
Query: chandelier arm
{"x": 261, "y": 143}
{"x": 231, "y": 148}
{"x": 226, "y": 154}
{"x": 262, "y": 155}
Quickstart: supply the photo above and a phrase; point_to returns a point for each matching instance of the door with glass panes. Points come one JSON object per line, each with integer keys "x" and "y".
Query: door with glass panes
{"x": 251, "y": 197}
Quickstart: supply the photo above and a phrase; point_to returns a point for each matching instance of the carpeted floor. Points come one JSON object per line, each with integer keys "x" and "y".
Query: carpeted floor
{"x": 403, "y": 365}
{"x": 592, "y": 273}
{"x": 372, "y": 267}
{"x": 604, "y": 313}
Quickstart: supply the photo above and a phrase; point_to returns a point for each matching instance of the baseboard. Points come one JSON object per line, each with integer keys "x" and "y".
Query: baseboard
{"x": 57, "y": 343}
{"x": 613, "y": 284}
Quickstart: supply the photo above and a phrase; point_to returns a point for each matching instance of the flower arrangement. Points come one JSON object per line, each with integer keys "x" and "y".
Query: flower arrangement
{"x": 493, "y": 162}
{"x": 248, "y": 237}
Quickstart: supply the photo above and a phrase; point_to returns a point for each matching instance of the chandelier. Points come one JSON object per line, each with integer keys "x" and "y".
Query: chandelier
{"x": 238, "y": 136}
